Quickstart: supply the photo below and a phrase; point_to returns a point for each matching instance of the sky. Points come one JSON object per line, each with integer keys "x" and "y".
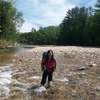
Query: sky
{"x": 44, "y": 13}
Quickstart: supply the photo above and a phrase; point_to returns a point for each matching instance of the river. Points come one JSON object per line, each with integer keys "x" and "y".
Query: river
{"x": 5, "y": 67}
{"x": 5, "y": 54}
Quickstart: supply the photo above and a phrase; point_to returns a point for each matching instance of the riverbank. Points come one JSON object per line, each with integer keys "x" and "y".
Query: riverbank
{"x": 77, "y": 75}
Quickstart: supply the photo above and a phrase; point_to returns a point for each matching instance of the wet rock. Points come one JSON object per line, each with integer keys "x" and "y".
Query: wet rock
{"x": 2, "y": 95}
{"x": 35, "y": 77}
{"x": 74, "y": 93}
{"x": 93, "y": 96}
{"x": 37, "y": 90}
{"x": 81, "y": 68}
{"x": 92, "y": 64}
{"x": 73, "y": 81}
{"x": 15, "y": 95}
{"x": 63, "y": 79}
{"x": 97, "y": 88}
{"x": 52, "y": 93}
{"x": 20, "y": 60}
{"x": 98, "y": 71}
{"x": 16, "y": 76}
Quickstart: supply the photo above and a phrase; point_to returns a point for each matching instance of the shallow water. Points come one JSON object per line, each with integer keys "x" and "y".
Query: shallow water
{"x": 6, "y": 54}
{"x": 6, "y": 71}
{"x": 5, "y": 79}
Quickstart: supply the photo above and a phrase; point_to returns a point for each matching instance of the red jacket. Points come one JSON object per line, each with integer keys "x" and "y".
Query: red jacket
{"x": 49, "y": 65}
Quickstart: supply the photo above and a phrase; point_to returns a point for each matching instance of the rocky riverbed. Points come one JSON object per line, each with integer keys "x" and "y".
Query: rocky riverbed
{"x": 77, "y": 76}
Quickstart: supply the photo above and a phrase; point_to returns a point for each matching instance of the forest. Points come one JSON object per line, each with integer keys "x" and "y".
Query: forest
{"x": 79, "y": 27}
{"x": 10, "y": 22}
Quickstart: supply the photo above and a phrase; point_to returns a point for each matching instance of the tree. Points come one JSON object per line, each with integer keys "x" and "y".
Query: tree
{"x": 33, "y": 29}
{"x": 46, "y": 35}
{"x": 93, "y": 27}
{"x": 10, "y": 19}
{"x": 72, "y": 27}
{"x": 97, "y": 5}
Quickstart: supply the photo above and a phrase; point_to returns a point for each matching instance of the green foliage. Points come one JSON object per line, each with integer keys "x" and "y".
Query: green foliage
{"x": 72, "y": 27}
{"x": 47, "y": 35}
{"x": 93, "y": 29}
{"x": 4, "y": 43}
{"x": 81, "y": 26}
{"x": 0, "y": 28}
{"x": 10, "y": 20}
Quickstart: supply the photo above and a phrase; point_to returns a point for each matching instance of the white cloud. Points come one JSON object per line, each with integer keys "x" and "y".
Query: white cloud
{"x": 27, "y": 27}
{"x": 56, "y": 1}
{"x": 92, "y": 3}
{"x": 42, "y": 13}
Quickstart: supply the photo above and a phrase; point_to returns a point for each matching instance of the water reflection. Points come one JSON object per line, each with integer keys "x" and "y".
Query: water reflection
{"x": 6, "y": 54}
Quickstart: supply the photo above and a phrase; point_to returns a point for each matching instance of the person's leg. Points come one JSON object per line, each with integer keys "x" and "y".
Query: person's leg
{"x": 44, "y": 76}
{"x": 50, "y": 75}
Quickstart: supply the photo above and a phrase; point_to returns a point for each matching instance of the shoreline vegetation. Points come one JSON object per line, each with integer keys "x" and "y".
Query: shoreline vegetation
{"x": 6, "y": 44}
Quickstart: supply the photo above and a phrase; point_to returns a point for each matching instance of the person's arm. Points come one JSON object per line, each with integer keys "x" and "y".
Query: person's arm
{"x": 42, "y": 64}
{"x": 55, "y": 64}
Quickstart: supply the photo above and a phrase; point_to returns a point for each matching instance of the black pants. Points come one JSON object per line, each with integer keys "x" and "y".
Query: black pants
{"x": 44, "y": 77}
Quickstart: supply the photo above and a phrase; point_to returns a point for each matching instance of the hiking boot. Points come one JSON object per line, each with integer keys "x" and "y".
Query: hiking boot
{"x": 48, "y": 85}
{"x": 41, "y": 85}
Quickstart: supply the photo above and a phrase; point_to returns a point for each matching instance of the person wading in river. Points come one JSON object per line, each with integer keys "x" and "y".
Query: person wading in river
{"x": 48, "y": 66}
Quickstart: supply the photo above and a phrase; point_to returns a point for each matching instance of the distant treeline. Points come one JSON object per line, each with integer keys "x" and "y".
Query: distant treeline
{"x": 80, "y": 26}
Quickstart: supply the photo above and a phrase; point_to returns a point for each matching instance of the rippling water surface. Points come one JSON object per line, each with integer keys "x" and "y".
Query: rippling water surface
{"x": 5, "y": 71}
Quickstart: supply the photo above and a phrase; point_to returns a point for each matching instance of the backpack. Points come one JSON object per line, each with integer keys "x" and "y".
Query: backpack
{"x": 44, "y": 55}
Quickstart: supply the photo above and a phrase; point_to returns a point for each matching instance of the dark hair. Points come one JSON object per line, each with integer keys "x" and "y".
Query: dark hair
{"x": 52, "y": 55}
